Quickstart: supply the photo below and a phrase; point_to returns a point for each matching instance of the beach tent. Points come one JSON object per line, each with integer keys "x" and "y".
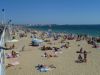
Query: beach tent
{"x": 36, "y": 42}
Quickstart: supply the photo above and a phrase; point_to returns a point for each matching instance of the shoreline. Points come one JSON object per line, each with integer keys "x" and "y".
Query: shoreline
{"x": 38, "y": 28}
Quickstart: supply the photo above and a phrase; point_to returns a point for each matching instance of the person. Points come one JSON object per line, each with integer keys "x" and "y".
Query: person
{"x": 45, "y": 54}
{"x": 80, "y": 58}
{"x": 9, "y": 65}
{"x": 43, "y": 48}
{"x": 23, "y": 48}
{"x": 81, "y": 51}
{"x": 5, "y": 45}
{"x": 55, "y": 49}
{"x": 14, "y": 54}
{"x": 44, "y": 68}
{"x": 66, "y": 46}
{"x": 85, "y": 56}
{"x": 13, "y": 46}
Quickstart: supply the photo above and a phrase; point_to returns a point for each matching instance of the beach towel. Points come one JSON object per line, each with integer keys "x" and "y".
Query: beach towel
{"x": 9, "y": 55}
{"x": 45, "y": 69}
{"x": 12, "y": 64}
{"x": 59, "y": 52}
{"x": 15, "y": 63}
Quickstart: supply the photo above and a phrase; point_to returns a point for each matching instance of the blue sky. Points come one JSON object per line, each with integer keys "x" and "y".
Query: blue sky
{"x": 52, "y": 11}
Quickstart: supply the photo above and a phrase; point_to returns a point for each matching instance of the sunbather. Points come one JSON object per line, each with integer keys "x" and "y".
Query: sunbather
{"x": 46, "y": 48}
{"x": 44, "y": 68}
{"x": 12, "y": 64}
{"x": 48, "y": 55}
{"x": 13, "y": 54}
{"x": 65, "y": 46}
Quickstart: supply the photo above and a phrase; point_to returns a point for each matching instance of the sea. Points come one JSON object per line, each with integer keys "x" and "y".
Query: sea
{"x": 92, "y": 30}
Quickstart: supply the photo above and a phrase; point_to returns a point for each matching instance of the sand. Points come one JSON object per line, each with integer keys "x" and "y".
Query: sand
{"x": 65, "y": 62}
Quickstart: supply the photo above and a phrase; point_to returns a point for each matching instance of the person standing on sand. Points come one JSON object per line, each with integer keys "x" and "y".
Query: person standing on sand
{"x": 13, "y": 46}
{"x": 23, "y": 48}
{"x": 14, "y": 54}
{"x": 5, "y": 45}
{"x": 85, "y": 56}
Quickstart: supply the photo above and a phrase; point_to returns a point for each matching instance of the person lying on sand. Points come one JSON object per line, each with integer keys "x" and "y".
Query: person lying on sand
{"x": 44, "y": 68}
{"x": 48, "y": 55}
{"x": 13, "y": 54}
{"x": 46, "y": 48}
{"x": 65, "y": 46}
{"x": 12, "y": 64}
{"x": 56, "y": 49}
{"x": 46, "y": 40}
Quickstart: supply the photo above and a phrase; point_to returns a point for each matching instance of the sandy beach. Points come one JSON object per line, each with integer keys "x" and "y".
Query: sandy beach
{"x": 65, "y": 63}
{"x": 50, "y": 37}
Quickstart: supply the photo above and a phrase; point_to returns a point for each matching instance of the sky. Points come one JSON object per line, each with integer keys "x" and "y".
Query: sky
{"x": 51, "y": 11}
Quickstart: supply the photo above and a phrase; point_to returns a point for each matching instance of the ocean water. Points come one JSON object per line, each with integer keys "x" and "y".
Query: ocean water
{"x": 92, "y": 30}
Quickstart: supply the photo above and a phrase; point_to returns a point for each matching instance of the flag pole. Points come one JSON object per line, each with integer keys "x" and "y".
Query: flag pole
{"x": 3, "y": 18}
